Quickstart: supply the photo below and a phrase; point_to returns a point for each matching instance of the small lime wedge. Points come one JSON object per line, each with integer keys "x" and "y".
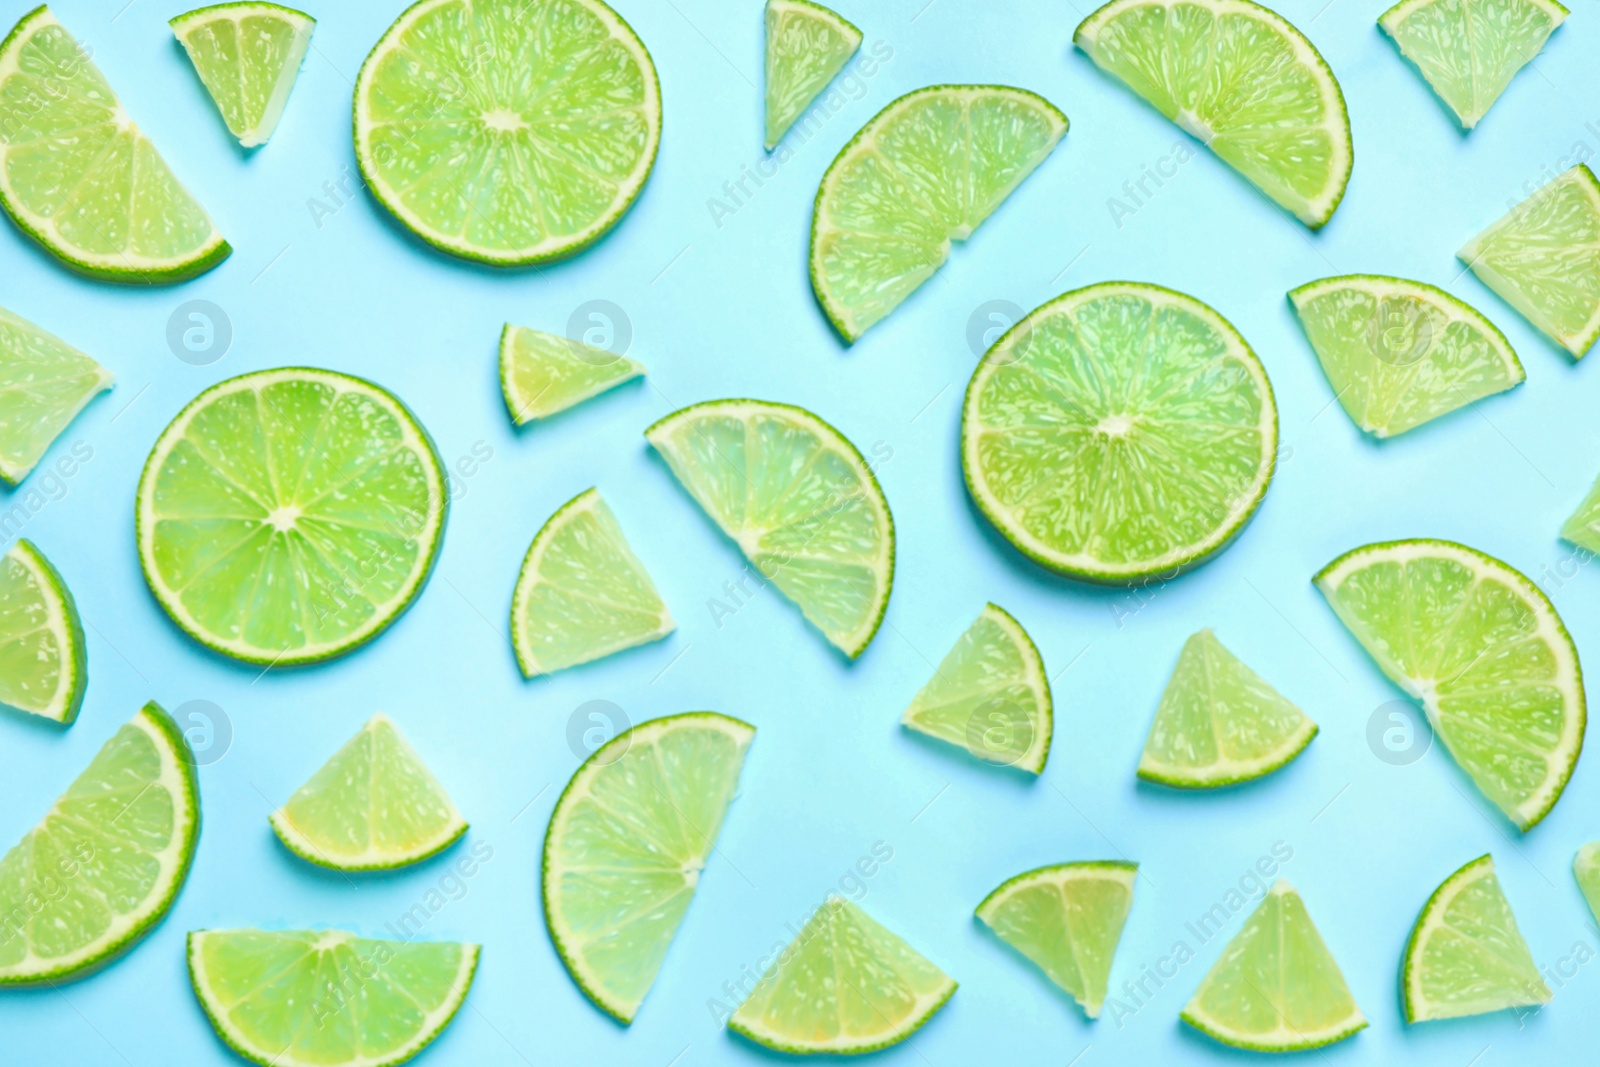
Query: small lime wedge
{"x": 44, "y": 383}
{"x": 1586, "y": 869}
{"x": 1583, "y": 526}
{"x": 807, "y": 45}
{"x": 248, "y": 55}
{"x": 43, "y": 665}
{"x": 541, "y": 374}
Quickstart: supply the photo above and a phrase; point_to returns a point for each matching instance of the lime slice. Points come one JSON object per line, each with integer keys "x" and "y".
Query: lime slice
{"x": 373, "y": 806}
{"x": 807, "y": 45}
{"x": 43, "y": 665}
{"x": 80, "y": 178}
{"x": 925, "y": 171}
{"x": 290, "y": 515}
{"x": 508, "y": 133}
{"x": 845, "y": 985}
{"x": 248, "y": 55}
{"x": 1067, "y": 919}
{"x": 1119, "y": 432}
{"x": 1469, "y": 52}
{"x": 989, "y": 695}
{"x": 1483, "y": 651}
{"x": 1586, "y": 868}
{"x": 44, "y": 383}
{"x": 1244, "y": 82}
{"x": 1466, "y": 955}
{"x": 1276, "y": 987}
{"x": 106, "y": 861}
{"x": 1219, "y": 722}
{"x": 582, "y": 593}
{"x": 325, "y": 998}
{"x": 1543, "y": 258}
{"x": 1583, "y": 526}
{"x": 626, "y": 845}
{"x": 1399, "y": 353}
{"x": 800, "y": 501}
{"x": 541, "y": 374}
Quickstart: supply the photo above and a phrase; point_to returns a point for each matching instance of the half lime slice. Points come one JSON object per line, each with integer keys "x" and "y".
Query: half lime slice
{"x": 1119, "y": 432}
{"x": 248, "y": 55}
{"x": 807, "y": 45}
{"x": 44, "y": 383}
{"x": 44, "y": 667}
{"x": 541, "y": 374}
{"x": 80, "y": 178}
{"x": 107, "y": 860}
{"x": 1586, "y": 869}
{"x": 1483, "y": 651}
{"x": 925, "y": 171}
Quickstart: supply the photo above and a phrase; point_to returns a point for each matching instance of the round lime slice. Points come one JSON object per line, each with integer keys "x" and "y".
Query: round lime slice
{"x": 287, "y": 516}
{"x": 248, "y": 55}
{"x": 807, "y": 45}
{"x": 44, "y": 668}
{"x": 44, "y": 383}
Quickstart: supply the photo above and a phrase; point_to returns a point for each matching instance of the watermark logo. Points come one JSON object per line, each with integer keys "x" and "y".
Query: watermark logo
{"x": 207, "y": 729}
{"x": 988, "y": 323}
{"x": 199, "y": 332}
{"x": 999, "y": 732}
{"x": 1400, "y": 330}
{"x": 594, "y": 723}
{"x": 1399, "y": 733}
{"x": 599, "y": 325}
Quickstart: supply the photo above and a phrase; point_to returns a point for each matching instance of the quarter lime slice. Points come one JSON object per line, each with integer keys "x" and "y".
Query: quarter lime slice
{"x": 1470, "y": 51}
{"x": 800, "y": 501}
{"x": 1586, "y": 868}
{"x": 845, "y": 985}
{"x": 1276, "y": 987}
{"x": 106, "y": 861}
{"x": 44, "y": 383}
{"x": 541, "y": 374}
{"x": 1543, "y": 258}
{"x": 1241, "y": 80}
{"x": 1483, "y": 651}
{"x": 807, "y": 45}
{"x": 290, "y": 515}
{"x": 80, "y": 178}
{"x": 582, "y": 593}
{"x": 1466, "y": 955}
{"x": 989, "y": 695}
{"x": 925, "y": 171}
{"x": 1067, "y": 919}
{"x": 1220, "y": 723}
{"x": 248, "y": 55}
{"x": 1399, "y": 353}
{"x": 43, "y": 665}
{"x": 373, "y": 806}
{"x": 626, "y": 845}
{"x": 509, "y": 133}
{"x": 1583, "y": 526}
{"x": 1119, "y": 432}
{"x": 325, "y": 998}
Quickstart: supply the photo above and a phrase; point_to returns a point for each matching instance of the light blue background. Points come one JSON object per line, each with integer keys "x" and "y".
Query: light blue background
{"x": 727, "y": 311}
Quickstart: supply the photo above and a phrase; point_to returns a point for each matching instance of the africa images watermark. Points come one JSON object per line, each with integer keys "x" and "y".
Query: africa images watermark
{"x": 1153, "y": 177}
{"x": 48, "y": 485}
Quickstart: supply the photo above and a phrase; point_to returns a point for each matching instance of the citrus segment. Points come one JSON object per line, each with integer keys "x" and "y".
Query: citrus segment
{"x": 248, "y": 55}
{"x": 44, "y": 667}
{"x": 44, "y": 383}
{"x": 541, "y": 374}
{"x": 807, "y": 45}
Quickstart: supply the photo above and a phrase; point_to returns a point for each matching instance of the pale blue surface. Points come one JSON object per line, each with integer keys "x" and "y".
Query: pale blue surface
{"x": 728, "y": 311}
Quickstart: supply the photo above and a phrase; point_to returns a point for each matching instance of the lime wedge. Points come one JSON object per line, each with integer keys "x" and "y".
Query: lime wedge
{"x": 80, "y": 178}
{"x": 582, "y": 593}
{"x": 1586, "y": 868}
{"x": 508, "y": 133}
{"x": 287, "y": 516}
{"x": 373, "y": 806}
{"x": 1466, "y": 955}
{"x": 807, "y": 45}
{"x": 1276, "y": 987}
{"x": 325, "y": 998}
{"x": 541, "y": 374}
{"x": 800, "y": 501}
{"x": 44, "y": 383}
{"x": 1583, "y": 526}
{"x": 845, "y": 985}
{"x": 925, "y": 171}
{"x": 626, "y": 845}
{"x": 1067, "y": 919}
{"x": 989, "y": 695}
{"x": 248, "y": 55}
{"x": 1469, "y": 52}
{"x": 1219, "y": 722}
{"x": 1119, "y": 432}
{"x": 1482, "y": 650}
{"x": 106, "y": 861}
{"x": 1244, "y": 82}
{"x": 1399, "y": 353}
{"x": 1543, "y": 258}
{"x": 43, "y": 665}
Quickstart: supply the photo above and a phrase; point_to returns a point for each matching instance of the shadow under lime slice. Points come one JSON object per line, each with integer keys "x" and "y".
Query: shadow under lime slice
{"x": 44, "y": 667}
{"x": 44, "y": 383}
{"x": 248, "y": 55}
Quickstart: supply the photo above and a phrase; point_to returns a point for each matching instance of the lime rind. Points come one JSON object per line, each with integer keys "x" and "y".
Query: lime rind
{"x": 535, "y": 365}
{"x": 252, "y": 121}
{"x": 59, "y": 381}
{"x": 61, "y": 621}
{"x": 807, "y": 46}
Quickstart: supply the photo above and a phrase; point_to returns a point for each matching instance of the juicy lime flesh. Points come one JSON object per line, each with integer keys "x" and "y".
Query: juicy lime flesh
{"x": 1583, "y": 526}
{"x": 927, "y": 170}
{"x": 542, "y": 374}
{"x": 1399, "y": 354}
{"x": 248, "y": 56}
{"x": 509, "y": 132}
{"x": 1469, "y": 50}
{"x": 1466, "y": 955}
{"x": 806, "y": 46}
{"x": 1067, "y": 920}
{"x": 44, "y": 383}
{"x": 1586, "y": 869}
{"x": 42, "y": 667}
{"x": 845, "y": 984}
{"x": 1219, "y": 722}
{"x": 289, "y": 515}
{"x": 297, "y": 998}
{"x": 626, "y": 845}
{"x": 1119, "y": 431}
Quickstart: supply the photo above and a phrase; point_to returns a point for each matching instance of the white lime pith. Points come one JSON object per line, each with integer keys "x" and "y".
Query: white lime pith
{"x": 248, "y": 55}
{"x": 44, "y": 667}
{"x": 807, "y": 45}
{"x": 44, "y": 383}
